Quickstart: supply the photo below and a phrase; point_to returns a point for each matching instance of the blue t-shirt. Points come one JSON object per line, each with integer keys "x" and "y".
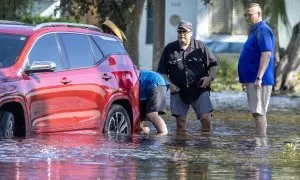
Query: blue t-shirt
{"x": 260, "y": 39}
{"x": 150, "y": 80}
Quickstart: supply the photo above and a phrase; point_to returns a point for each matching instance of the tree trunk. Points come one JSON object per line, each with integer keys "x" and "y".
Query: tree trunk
{"x": 132, "y": 32}
{"x": 289, "y": 65}
{"x": 158, "y": 31}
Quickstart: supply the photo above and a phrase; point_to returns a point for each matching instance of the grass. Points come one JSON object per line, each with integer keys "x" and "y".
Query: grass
{"x": 289, "y": 156}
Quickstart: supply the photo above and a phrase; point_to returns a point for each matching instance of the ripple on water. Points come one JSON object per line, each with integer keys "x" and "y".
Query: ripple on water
{"x": 231, "y": 151}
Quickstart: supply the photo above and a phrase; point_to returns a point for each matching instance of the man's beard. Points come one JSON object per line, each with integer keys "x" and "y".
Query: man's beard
{"x": 183, "y": 43}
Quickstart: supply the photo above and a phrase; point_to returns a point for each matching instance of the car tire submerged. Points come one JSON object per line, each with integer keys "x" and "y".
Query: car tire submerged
{"x": 117, "y": 121}
{"x": 7, "y": 124}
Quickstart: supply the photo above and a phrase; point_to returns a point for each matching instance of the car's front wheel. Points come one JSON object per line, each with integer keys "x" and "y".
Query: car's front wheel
{"x": 117, "y": 121}
{"x": 7, "y": 124}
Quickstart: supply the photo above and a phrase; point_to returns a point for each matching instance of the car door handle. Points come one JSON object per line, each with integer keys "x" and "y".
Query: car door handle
{"x": 106, "y": 77}
{"x": 65, "y": 80}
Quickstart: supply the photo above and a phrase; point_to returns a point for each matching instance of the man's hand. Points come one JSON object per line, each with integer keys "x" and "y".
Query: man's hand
{"x": 144, "y": 129}
{"x": 206, "y": 81}
{"x": 257, "y": 83}
{"x": 174, "y": 88}
{"x": 244, "y": 87}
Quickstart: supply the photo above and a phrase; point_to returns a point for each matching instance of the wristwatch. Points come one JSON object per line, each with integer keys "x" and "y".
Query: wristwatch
{"x": 258, "y": 78}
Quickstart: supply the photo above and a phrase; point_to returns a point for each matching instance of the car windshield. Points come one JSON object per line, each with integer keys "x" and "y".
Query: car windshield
{"x": 10, "y": 48}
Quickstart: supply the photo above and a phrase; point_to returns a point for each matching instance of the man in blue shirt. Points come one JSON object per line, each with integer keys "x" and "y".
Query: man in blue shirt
{"x": 153, "y": 89}
{"x": 256, "y": 66}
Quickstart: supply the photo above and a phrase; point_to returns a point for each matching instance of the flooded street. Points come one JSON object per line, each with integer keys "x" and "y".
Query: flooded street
{"x": 230, "y": 152}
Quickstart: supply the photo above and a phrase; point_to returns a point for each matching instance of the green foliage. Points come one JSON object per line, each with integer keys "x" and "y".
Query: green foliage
{"x": 227, "y": 75}
{"x": 126, "y": 14}
{"x": 75, "y": 8}
{"x": 14, "y": 9}
{"x": 39, "y": 19}
{"x": 19, "y": 10}
{"x": 119, "y": 11}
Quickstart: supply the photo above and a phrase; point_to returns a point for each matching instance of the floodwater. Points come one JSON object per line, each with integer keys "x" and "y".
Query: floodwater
{"x": 230, "y": 152}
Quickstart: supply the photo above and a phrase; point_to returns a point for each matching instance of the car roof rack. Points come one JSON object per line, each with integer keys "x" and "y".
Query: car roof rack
{"x": 64, "y": 24}
{"x": 11, "y": 22}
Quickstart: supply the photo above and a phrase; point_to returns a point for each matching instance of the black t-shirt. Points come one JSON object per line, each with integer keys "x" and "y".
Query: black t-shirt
{"x": 186, "y": 67}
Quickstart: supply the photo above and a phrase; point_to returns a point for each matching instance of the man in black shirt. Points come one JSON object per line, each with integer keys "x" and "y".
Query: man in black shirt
{"x": 190, "y": 67}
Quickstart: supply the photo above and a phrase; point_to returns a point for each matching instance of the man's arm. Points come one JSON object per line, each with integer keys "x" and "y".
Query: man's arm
{"x": 264, "y": 62}
{"x": 173, "y": 87}
{"x": 208, "y": 79}
{"x": 212, "y": 66}
{"x": 163, "y": 67}
{"x": 212, "y": 72}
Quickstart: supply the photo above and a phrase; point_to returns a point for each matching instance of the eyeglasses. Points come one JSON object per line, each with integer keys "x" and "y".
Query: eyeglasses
{"x": 179, "y": 31}
{"x": 249, "y": 15}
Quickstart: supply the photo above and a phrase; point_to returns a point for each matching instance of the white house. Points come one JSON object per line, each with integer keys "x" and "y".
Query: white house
{"x": 221, "y": 17}
{"x": 46, "y": 8}
{"x": 207, "y": 20}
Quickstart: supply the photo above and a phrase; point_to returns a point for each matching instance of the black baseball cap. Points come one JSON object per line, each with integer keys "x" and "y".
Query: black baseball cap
{"x": 185, "y": 25}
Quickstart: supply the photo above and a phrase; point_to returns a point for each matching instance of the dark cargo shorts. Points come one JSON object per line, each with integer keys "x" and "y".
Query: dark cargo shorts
{"x": 201, "y": 106}
{"x": 156, "y": 101}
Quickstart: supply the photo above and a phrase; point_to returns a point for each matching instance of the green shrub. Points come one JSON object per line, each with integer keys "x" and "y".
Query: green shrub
{"x": 39, "y": 19}
{"x": 227, "y": 75}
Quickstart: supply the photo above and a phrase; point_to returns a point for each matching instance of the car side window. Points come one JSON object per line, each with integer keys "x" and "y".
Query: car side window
{"x": 97, "y": 53}
{"x": 46, "y": 49}
{"x": 78, "y": 50}
{"x": 109, "y": 45}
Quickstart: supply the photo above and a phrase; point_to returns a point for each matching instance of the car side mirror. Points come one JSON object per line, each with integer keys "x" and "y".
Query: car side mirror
{"x": 40, "y": 66}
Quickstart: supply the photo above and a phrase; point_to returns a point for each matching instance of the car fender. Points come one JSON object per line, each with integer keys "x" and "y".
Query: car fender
{"x": 113, "y": 98}
{"x": 18, "y": 99}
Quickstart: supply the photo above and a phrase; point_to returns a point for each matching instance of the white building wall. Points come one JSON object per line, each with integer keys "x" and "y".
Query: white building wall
{"x": 175, "y": 10}
{"x": 183, "y": 9}
{"x": 50, "y": 11}
{"x": 202, "y": 22}
{"x": 193, "y": 10}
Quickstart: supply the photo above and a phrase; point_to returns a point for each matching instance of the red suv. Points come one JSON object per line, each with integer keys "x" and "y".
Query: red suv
{"x": 65, "y": 76}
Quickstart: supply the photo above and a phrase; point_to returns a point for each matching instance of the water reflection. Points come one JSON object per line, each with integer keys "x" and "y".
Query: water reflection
{"x": 192, "y": 155}
{"x": 66, "y": 156}
{"x": 50, "y": 169}
{"x": 256, "y": 173}
{"x": 230, "y": 152}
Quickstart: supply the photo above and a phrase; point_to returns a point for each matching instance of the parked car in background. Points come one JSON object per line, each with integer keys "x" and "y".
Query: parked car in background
{"x": 65, "y": 76}
{"x": 229, "y": 44}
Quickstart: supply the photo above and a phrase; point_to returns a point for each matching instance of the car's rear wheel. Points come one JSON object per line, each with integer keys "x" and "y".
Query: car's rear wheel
{"x": 7, "y": 124}
{"x": 117, "y": 121}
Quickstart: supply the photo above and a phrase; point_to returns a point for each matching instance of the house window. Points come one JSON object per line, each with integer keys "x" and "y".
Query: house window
{"x": 149, "y": 30}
